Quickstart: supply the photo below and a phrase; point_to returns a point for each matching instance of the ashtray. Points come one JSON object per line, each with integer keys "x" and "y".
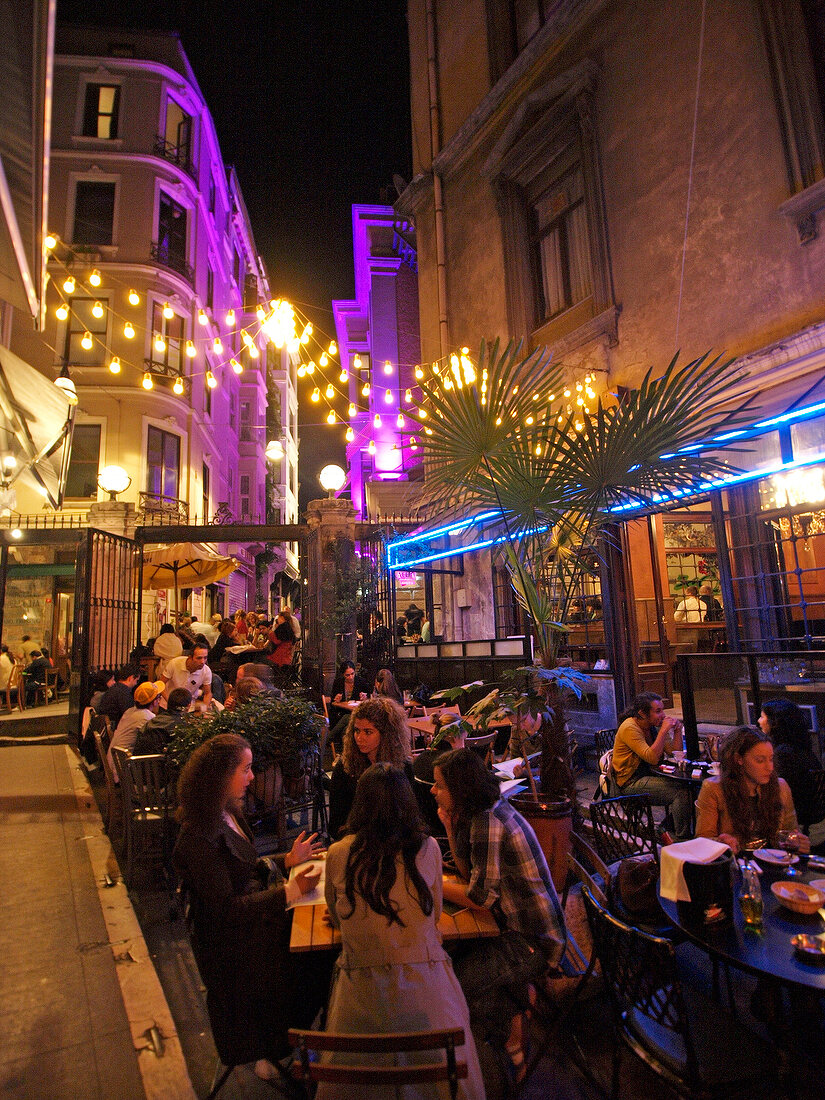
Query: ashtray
{"x": 811, "y": 947}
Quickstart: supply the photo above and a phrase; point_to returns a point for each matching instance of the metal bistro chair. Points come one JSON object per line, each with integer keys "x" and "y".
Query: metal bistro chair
{"x": 624, "y": 827}
{"x": 684, "y": 1037}
{"x": 143, "y": 788}
{"x": 483, "y": 745}
{"x": 363, "y": 1073}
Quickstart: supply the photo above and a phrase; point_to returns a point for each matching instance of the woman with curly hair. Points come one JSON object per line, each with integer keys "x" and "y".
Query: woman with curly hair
{"x": 747, "y": 802}
{"x": 785, "y": 724}
{"x": 377, "y": 732}
{"x": 255, "y": 989}
{"x": 383, "y": 891}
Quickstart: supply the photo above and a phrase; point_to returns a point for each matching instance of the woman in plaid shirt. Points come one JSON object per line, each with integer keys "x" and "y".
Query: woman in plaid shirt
{"x": 501, "y": 868}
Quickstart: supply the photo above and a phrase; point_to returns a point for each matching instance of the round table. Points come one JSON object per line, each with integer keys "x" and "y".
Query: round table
{"x": 767, "y": 951}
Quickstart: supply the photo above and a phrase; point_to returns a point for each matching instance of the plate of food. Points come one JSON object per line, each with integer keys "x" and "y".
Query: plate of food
{"x": 776, "y": 856}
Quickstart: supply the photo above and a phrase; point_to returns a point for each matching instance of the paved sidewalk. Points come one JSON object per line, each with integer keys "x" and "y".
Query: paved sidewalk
{"x": 78, "y": 991}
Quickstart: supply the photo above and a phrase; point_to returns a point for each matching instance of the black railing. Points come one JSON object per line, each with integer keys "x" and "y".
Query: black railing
{"x": 155, "y": 510}
{"x": 44, "y": 521}
{"x": 169, "y": 258}
{"x": 175, "y": 154}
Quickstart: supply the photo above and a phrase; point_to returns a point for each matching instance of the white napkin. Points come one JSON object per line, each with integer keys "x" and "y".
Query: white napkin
{"x": 672, "y": 883}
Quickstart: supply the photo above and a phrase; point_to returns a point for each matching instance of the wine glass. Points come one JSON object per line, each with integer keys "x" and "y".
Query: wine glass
{"x": 788, "y": 841}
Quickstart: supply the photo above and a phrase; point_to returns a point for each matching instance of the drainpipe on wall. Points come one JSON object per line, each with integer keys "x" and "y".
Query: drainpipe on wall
{"x": 438, "y": 194}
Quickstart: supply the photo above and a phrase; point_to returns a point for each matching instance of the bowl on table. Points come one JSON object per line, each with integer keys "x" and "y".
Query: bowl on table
{"x": 811, "y": 948}
{"x": 799, "y": 897}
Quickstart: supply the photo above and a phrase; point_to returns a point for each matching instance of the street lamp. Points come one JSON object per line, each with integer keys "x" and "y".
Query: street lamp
{"x": 332, "y": 479}
{"x": 274, "y": 450}
{"x": 113, "y": 480}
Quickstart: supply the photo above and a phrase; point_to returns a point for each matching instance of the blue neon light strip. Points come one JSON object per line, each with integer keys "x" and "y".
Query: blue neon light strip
{"x": 450, "y": 529}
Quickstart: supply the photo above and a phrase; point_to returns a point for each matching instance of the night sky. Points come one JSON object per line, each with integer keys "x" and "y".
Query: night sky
{"x": 311, "y": 103}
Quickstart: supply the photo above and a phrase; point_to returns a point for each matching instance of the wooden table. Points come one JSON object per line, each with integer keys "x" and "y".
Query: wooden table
{"x": 310, "y": 932}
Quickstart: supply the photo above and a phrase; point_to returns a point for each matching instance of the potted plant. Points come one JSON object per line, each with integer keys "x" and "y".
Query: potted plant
{"x": 554, "y": 465}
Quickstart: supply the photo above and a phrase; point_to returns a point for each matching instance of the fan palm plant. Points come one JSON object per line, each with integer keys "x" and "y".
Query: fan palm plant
{"x": 554, "y": 466}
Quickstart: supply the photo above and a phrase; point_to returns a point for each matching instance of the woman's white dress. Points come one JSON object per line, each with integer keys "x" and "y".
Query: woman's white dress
{"x": 394, "y": 978}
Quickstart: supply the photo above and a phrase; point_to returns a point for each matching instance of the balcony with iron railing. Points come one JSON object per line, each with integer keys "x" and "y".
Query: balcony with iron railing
{"x": 181, "y": 155}
{"x": 167, "y": 256}
{"x": 156, "y": 510}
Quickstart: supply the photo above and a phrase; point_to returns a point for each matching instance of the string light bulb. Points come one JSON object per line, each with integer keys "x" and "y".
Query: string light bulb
{"x": 86, "y": 341}
{"x": 329, "y": 393}
{"x": 160, "y": 344}
{"x": 356, "y": 362}
{"x": 134, "y": 298}
{"x": 388, "y": 398}
{"x": 315, "y": 395}
{"x": 302, "y": 369}
{"x": 69, "y": 284}
{"x": 50, "y": 242}
{"x": 408, "y": 396}
{"x": 177, "y": 386}
{"x": 230, "y": 318}
{"x": 333, "y": 348}
{"x": 371, "y": 448}
{"x": 260, "y": 313}
{"x": 236, "y": 366}
{"x": 413, "y": 444}
{"x": 311, "y": 367}
{"x": 62, "y": 312}
{"x": 399, "y": 421}
{"x": 97, "y": 310}
{"x": 343, "y": 376}
{"x": 387, "y": 367}
{"x": 211, "y": 380}
{"x": 349, "y": 435}
{"x": 351, "y": 411}
{"x": 376, "y": 420}
{"x": 94, "y": 278}
{"x": 322, "y": 362}
{"x": 331, "y": 417}
{"x": 190, "y": 349}
{"x": 129, "y": 330}
{"x": 419, "y": 373}
{"x": 217, "y": 346}
{"x": 252, "y": 350}
{"x": 114, "y": 365}
{"x": 202, "y": 318}
{"x": 365, "y": 390}
{"x": 148, "y": 384}
{"x": 167, "y": 311}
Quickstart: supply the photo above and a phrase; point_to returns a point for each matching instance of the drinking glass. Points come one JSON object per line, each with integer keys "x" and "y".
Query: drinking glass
{"x": 788, "y": 841}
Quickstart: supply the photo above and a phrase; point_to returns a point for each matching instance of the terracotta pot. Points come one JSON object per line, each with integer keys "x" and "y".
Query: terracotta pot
{"x": 552, "y": 822}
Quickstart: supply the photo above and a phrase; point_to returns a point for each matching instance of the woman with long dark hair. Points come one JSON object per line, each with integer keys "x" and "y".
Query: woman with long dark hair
{"x": 793, "y": 760}
{"x": 747, "y": 802}
{"x": 383, "y": 890}
{"x": 377, "y": 732}
{"x": 255, "y": 990}
{"x": 385, "y": 684}
{"x": 502, "y": 868}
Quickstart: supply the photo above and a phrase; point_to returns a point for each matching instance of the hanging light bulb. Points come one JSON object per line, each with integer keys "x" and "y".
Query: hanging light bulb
{"x": 86, "y": 341}
{"x": 252, "y": 351}
{"x": 428, "y": 431}
{"x": 236, "y": 366}
{"x": 387, "y": 367}
{"x": 311, "y": 367}
{"x": 371, "y": 447}
{"x": 530, "y": 420}
{"x": 329, "y": 392}
{"x": 97, "y": 310}
{"x": 217, "y": 346}
{"x": 114, "y": 365}
{"x": 376, "y": 420}
{"x": 365, "y": 390}
{"x": 202, "y": 318}
{"x": 399, "y": 421}
{"x": 349, "y": 435}
{"x": 343, "y": 376}
{"x": 190, "y": 349}
{"x": 129, "y": 331}
{"x": 388, "y": 397}
{"x": 260, "y": 313}
{"x": 134, "y": 298}
{"x": 177, "y": 386}
{"x": 333, "y": 348}
{"x": 69, "y": 284}
{"x": 230, "y": 318}
{"x": 302, "y": 369}
{"x": 408, "y": 396}
{"x": 419, "y": 373}
{"x": 322, "y": 362}
{"x": 356, "y": 362}
{"x": 211, "y": 380}
{"x": 94, "y": 278}
{"x": 50, "y": 242}
{"x": 160, "y": 344}
{"x": 315, "y": 395}
{"x": 167, "y": 311}
{"x": 147, "y": 381}
{"x": 62, "y": 312}
{"x": 422, "y": 414}
{"x": 330, "y": 417}
{"x": 247, "y": 339}
{"x": 413, "y": 444}
{"x": 351, "y": 411}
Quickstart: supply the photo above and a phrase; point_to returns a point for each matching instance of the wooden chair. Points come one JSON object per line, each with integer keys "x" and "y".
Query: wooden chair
{"x": 685, "y": 1038}
{"x": 48, "y": 689}
{"x": 112, "y": 796}
{"x": 376, "y": 1071}
{"x": 143, "y": 788}
{"x": 16, "y": 687}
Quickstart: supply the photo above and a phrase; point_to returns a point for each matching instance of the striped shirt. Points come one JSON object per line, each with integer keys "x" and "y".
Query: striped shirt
{"x": 509, "y": 876}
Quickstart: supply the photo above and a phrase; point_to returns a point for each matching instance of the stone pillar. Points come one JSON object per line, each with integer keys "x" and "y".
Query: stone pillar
{"x": 116, "y": 516}
{"x": 329, "y": 622}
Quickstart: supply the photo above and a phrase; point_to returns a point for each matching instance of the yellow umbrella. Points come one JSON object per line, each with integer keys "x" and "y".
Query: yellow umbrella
{"x": 184, "y": 565}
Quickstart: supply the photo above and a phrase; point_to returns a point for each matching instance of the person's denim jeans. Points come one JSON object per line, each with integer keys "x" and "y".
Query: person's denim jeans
{"x": 661, "y": 791}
